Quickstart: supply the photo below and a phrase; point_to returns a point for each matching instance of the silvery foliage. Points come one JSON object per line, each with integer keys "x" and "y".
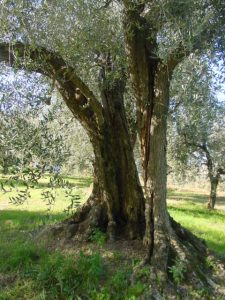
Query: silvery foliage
{"x": 26, "y": 120}
{"x": 84, "y": 30}
{"x": 197, "y": 117}
{"x": 79, "y": 30}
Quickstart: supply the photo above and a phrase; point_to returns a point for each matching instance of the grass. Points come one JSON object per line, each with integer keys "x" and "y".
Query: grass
{"x": 28, "y": 271}
{"x": 189, "y": 208}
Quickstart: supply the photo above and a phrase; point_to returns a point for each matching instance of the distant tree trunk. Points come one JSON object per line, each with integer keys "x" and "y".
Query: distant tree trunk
{"x": 5, "y": 167}
{"x": 214, "y": 175}
{"x": 214, "y": 180}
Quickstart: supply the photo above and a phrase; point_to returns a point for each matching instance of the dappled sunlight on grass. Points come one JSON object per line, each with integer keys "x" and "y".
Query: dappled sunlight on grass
{"x": 195, "y": 196}
{"x": 31, "y": 271}
{"x": 80, "y": 186}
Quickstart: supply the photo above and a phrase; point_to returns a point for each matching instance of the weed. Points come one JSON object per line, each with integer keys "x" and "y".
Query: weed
{"x": 117, "y": 256}
{"x": 118, "y": 287}
{"x": 135, "y": 290}
{"x": 211, "y": 264}
{"x": 142, "y": 273}
{"x": 98, "y": 237}
{"x": 178, "y": 270}
{"x": 18, "y": 257}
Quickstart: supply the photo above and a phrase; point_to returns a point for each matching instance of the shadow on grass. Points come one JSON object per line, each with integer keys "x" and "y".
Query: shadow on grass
{"x": 217, "y": 248}
{"x": 192, "y": 197}
{"x": 199, "y": 212}
{"x": 81, "y": 182}
{"x": 23, "y": 219}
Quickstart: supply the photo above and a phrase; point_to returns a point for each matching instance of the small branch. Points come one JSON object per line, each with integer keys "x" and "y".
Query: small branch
{"x": 204, "y": 148}
{"x": 198, "y": 43}
{"x": 221, "y": 171}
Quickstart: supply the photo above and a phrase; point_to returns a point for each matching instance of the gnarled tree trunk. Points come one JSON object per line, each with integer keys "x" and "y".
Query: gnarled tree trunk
{"x": 150, "y": 79}
{"x": 126, "y": 201}
{"x": 116, "y": 169}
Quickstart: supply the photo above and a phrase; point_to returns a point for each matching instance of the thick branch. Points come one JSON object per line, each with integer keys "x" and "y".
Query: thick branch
{"x": 141, "y": 45}
{"x": 78, "y": 97}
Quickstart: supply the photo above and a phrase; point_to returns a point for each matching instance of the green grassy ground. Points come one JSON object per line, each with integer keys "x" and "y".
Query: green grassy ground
{"x": 30, "y": 272}
{"x": 189, "y": 209}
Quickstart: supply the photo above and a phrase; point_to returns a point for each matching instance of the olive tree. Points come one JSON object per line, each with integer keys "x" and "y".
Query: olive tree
{"x": 117, "y": 202}
{"x": 196, "y": 137}
{"x": 90, "y": 49}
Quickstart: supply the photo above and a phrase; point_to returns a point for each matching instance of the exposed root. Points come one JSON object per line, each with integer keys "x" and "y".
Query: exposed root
{"x": 180, "y": 266}
{"x": 187, "y": 261}
{"x": 88, "y": 217}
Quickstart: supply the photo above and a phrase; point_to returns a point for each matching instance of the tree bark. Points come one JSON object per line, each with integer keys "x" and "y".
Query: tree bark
{"x": 151, "y": 78}
{"x": 160, "y": 229}
{"x": 140, "y": 47}
{"x": 117, "y": 170}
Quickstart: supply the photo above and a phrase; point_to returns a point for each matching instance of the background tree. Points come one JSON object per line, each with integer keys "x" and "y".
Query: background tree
{"x": 196, "y": 135}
